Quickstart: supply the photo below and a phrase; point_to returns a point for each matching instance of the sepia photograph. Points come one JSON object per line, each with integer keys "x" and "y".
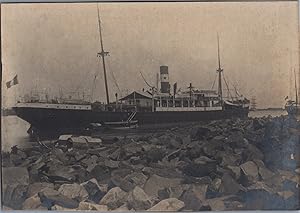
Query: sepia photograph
{"x": 150, "y": 106}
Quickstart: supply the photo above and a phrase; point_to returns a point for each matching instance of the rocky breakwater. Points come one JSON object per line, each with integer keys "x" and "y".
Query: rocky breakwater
{"x": 220, "y": 165}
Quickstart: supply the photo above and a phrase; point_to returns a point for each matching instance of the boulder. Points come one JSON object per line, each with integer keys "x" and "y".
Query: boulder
{"x": 124, "y": 184}
{"x": 34, "y": 188}
{"x": 138, "y": 199}
{"x": 193, "y": 197}
{"x": 114, "y": 198}
{"x": 15, "y": 182}
{"x": 33, "y": 203}
{"x": 49, "y": 199}
{"x": 137, "y": 178}
{"x": 90, "y": 162}
{"x": 94, "y": 190}
{"x": 229, "y": 185}
{"x": 85, "y": 206}
{"x": 101, "y": 173}
{"x": 170, "y": 204}
{"x": 176, "y": 191}
{"x": 156, "y": 183}
{"x": 236, "y": 171}
{"x": 224, "y": 203}
{"x": 214, "y": 188}
{"x": 66, "y": 174}
{"x": 74, "y": 191}
{"x": 111, "y": 164}
{"x": 122, "y": 208}
{"x": 200, "y": 133}
{"x": 249, "y": 172}
{"x": 60, "y": 208}
{"x": 265, "y": 173}
{"x": 202, "y": 166}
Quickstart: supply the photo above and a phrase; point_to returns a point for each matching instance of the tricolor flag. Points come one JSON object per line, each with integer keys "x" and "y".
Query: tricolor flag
{"x": 13, "y": 82}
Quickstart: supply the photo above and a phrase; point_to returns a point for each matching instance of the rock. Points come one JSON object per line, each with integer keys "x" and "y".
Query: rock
{"x": 101, "y": 173}
{"x": 250, "y": 172}
{"x": 111, "y": 164}
{"x": 60, "y": 208}
{"x": 170, "y": 204}
{"x": 265, "y": 173}
{"x": 214, "y": 188}
{"x": 199, "y": 133}
{"x": 216, "y": 204}
{"x": 124, "y": 184}
{"x": 15, "y": 184}
{"x": 33, "y": 203}
{"x": 50, "y": 199}
{"x": 155, "y": 154}
{"x": 94, "y": 190}
{"x": 229, "y": 185}
{"x": 137, "y": 178}
{"x": 191, "y": 200}
{"x": 74, "y": 191}
{"x": 92, "y": 207}
{"x": 252, "y": 152}
{"x": 228, "y": 158}
{"x": 138, "y": 199}
{"x": 263, "y": 200}
{"x": 114, "y": 198}
{"x": 37, "y": 187}
{"x": 90, "y": 162}
{"x": 286, "y": 194}
{"x": 122, "y": 208}
{"x": 155, "y": 183}
{"x": 223, "y": 204}
{"x": 59, "y": 155}
{"x": 163, "y": 193}
{"x": 176, "y": 191}
{"x": 236, "y": 171}
{"x": 200, "y": 167}
{"x": 66, "y": 174}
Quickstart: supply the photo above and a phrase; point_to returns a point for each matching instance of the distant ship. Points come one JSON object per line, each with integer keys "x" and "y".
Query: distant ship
{"x": 154, "y": 106}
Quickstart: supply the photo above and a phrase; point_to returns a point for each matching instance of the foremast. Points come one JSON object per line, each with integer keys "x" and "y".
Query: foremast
{"x": 102, "y": 54}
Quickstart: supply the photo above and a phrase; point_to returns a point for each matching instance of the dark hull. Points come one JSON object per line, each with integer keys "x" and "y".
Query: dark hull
{"x": 65, "y": 121}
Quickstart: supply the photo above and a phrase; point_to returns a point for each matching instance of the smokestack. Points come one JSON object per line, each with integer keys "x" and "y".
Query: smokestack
{"x": 164, "y": 79}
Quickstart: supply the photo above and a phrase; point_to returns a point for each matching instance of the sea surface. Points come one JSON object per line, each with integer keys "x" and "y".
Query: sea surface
{"x": 14, "y": 129}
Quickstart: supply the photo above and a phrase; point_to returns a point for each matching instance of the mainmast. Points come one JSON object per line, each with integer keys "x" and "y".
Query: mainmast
{"x": 219, "y": 71}
{"x": 102, "y": 54}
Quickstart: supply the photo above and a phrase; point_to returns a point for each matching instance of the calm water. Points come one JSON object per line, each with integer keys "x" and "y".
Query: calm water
{"x": 14, "y": 130}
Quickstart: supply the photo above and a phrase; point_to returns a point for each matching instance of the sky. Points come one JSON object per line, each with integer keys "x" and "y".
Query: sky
{"x": 53, "y": 47}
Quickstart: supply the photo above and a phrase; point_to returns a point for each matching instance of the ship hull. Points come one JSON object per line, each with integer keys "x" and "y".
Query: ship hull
{"x": 69, "y": 120}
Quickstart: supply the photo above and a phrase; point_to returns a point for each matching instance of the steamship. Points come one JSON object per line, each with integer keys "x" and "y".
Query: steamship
{"x": 155, "y": 106}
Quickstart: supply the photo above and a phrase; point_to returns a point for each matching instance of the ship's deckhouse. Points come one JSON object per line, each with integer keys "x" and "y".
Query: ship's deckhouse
{"x": 196, "y": 100}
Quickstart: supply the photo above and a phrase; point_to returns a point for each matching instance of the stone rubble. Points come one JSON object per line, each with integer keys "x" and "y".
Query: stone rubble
{"x": 250, "y": 164}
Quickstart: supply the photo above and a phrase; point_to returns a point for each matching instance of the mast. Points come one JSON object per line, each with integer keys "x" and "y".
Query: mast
{"x": 219, "y": 71}
{"x": 102, "y": 54}
{"x": 296, "y": 89}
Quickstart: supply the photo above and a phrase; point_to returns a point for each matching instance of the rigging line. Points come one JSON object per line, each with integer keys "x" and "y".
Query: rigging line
{"x": 214, "y": 82}
{"x": 113, "y": 77}
{"x": 94, "y": 82}
{"x": 236, "y": 91}
{"x": 227, "y": 87}
{"x": 145, "y": 80}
